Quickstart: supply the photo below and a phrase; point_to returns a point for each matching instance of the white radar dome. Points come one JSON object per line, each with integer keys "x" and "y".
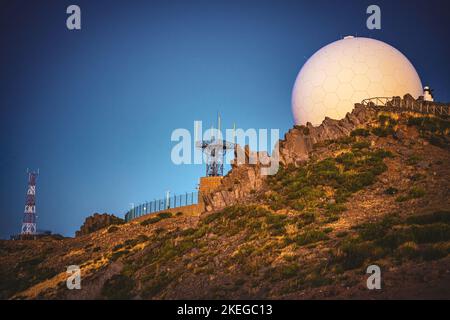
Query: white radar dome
{"x": 346, "y": 72}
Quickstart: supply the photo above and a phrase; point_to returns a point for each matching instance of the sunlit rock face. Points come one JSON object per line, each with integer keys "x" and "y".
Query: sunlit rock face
{"x": 346, "y": 72}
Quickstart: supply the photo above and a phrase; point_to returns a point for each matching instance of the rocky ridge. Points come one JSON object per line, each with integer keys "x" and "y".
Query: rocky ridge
{"x": 96, "y": 222}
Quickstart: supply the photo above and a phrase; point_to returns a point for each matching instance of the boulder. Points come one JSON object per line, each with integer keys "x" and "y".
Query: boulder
{"x": 96, "y": 222}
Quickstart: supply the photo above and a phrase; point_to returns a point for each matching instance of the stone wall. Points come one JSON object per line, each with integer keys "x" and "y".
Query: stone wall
{"x": 209, "y": 184}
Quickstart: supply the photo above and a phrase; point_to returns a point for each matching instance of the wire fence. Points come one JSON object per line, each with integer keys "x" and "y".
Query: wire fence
{"x": 174, "y": 201}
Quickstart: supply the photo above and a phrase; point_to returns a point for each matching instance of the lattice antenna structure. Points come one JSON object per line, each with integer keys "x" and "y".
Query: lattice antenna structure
{"x": 215, "y": 150}
{"x": 29, "y": 216}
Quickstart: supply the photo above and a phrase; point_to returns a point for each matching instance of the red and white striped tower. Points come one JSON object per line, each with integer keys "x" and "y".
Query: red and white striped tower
{"x": 29, "y": 216}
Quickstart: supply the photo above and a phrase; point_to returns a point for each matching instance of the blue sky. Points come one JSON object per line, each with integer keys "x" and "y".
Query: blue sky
{"x": 94, "y": 109}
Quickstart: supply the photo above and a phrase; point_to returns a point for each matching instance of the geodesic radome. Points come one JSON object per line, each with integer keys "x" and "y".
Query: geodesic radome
{"x": 347, "y": 71}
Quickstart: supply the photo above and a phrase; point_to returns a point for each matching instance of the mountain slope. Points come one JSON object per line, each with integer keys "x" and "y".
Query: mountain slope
{"x": 378, "y": 196}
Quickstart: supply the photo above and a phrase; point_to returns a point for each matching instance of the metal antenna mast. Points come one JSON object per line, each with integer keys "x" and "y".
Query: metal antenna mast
{"x": 29, "y": 216}
{"x": 215, "y": 149}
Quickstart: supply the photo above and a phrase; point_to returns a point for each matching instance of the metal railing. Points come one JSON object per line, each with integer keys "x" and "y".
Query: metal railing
{"x": 174, "y": 201}
{"x": 377, "y": 101}
{"x": 419, "y": 106}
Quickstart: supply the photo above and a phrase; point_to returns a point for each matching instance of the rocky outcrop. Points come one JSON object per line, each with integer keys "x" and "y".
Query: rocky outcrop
{"x": 245, "y": 178}
{"x": 240, "y": 181}
{"x": 299, "y": 141}
{"x": 96, "y": 222}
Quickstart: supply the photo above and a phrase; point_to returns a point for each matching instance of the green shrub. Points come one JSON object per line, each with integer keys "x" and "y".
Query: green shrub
{"x": 118, "y": 287}
{"x": 328, "y": 230}
{"x": 435, "y": 217}
{"x": 354, "y": 254}
{"x": 116, "y": 255}
{"x": 331, "y": 217}
{"x": 382, "y": 132}
{"x": 112, "y": 229}
{"x": 431, "y": 233}
{"x": 361, "y": 132}
{"x": 373, "y": 231}
{"x": 132, "y": 242}
{"x": 187, "y": 232}
{"x": 164, "y": 215}
{"x": 377, "y": 230}
{"x": 433, "y": 252}
{"x": 335, "y": 208}
{"x": 344, "y": 141}
{"x": 394, "y": 238}
{"x": 160, "y": 216}
{"x": 408, "y": 250}
{"x": 355, "y": 182}
{"x": 151, "y": 220}
{"x": 414, "y": 193}
{"x": 348, "y": 159}
{"x": 213, "y": 216}
{"x": 361, "y": 145}
{"x": 305, "y": 219}
{"x": 141, "y": 238}
{"x": 381, "y": 154}
{"x": 310, "y": 236}
{"x": 315, "y": 279}
{"x": 289, "y": 271}
{"x": 117, "y": 247}
{"x": 157, "y": 284}
{"x": 341, "y": 234}
{"x": 430, "y": 124}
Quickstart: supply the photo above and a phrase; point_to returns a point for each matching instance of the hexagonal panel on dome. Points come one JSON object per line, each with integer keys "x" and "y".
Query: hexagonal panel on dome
{"x": 360, "y": 82}
{"x": 360, "y": 68}
{"x": 345, "y": 75}
{"x": 344, "y": 91}
{"x": 331, "y": 99}
{"x": 330, "y": 84}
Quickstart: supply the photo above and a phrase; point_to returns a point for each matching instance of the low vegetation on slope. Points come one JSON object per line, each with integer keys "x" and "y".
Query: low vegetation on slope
{"x": 327, "y": 184}
{"x": 424, "y": 237}
{"x": 285, "y": 242}
{"x": 315, "y": 225}
{"x": 251, "y": 252}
